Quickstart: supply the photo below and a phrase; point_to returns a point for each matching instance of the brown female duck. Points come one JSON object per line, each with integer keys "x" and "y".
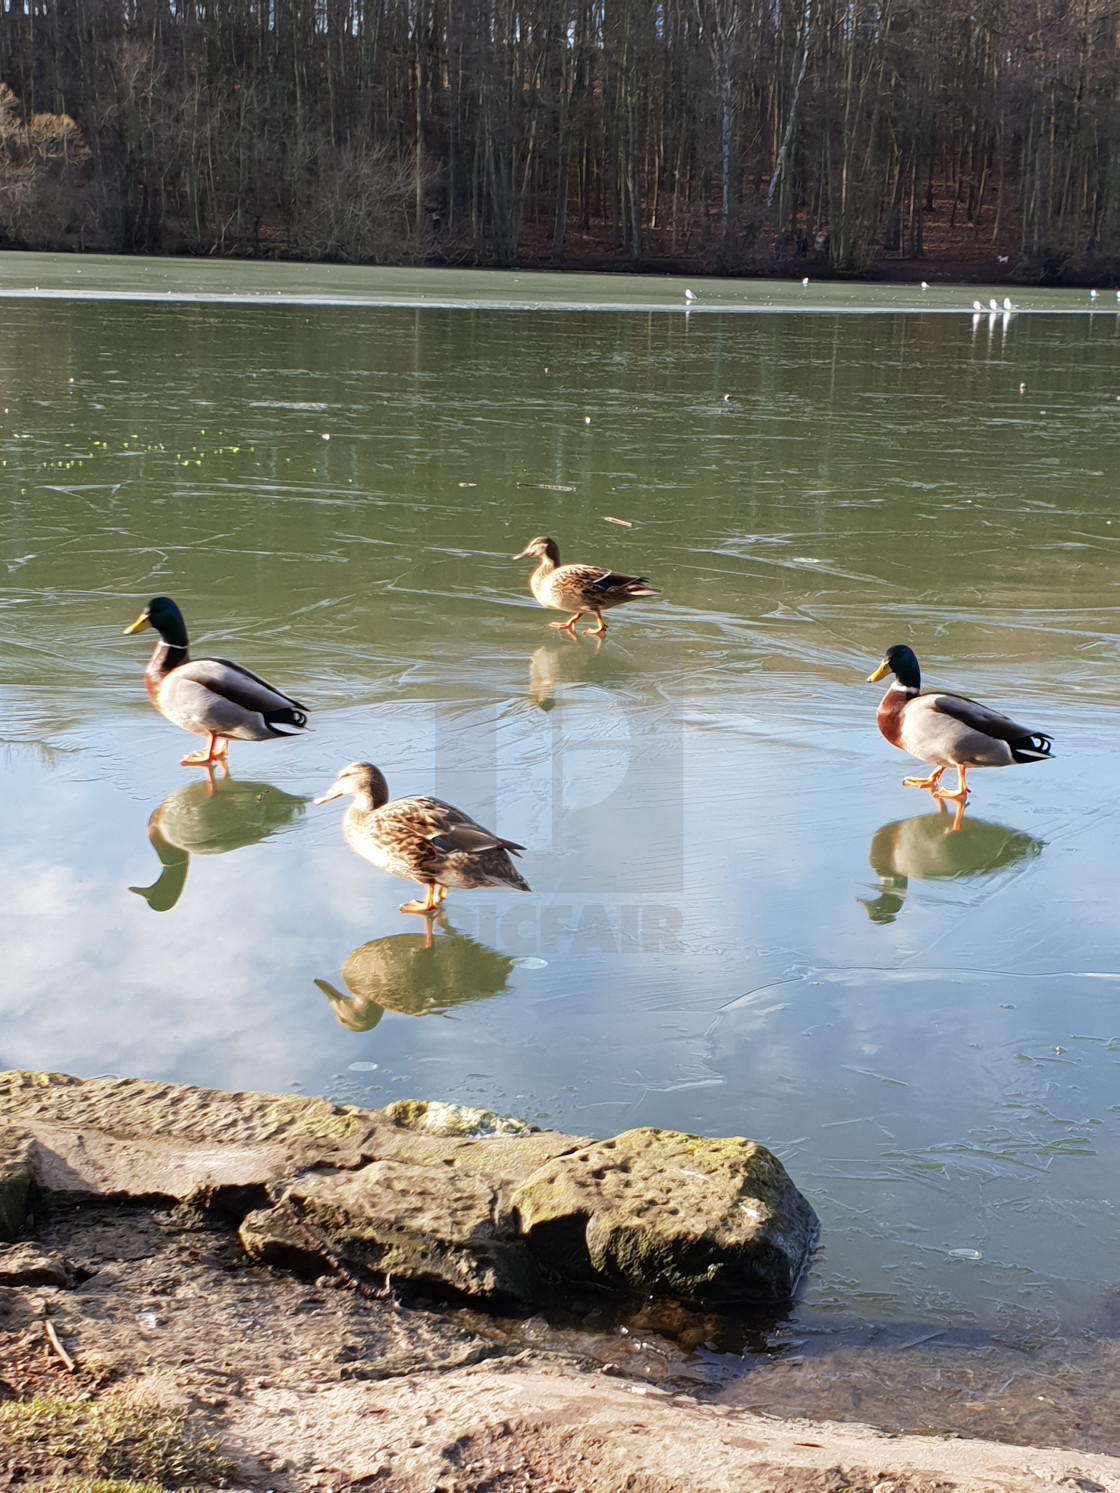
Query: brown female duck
{"x": 579, "y": 588}
{"x": 421, "y": 839}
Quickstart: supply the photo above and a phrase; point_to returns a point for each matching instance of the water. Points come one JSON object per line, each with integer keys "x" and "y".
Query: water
{"x": 741, "y": 922}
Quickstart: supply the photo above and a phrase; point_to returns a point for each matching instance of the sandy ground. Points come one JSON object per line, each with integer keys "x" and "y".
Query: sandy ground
{"x": 312, "y": 1388}
{"x": 477, "y": 1430}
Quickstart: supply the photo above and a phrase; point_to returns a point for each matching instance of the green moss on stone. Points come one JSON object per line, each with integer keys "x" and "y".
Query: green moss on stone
{"x": 672, "y": 1214}
{"x": 434, "y": 1117}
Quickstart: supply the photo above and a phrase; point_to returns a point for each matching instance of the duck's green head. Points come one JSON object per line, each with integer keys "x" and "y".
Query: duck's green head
{"x": 162, "y": 614}
{"x": 902, "y": 662}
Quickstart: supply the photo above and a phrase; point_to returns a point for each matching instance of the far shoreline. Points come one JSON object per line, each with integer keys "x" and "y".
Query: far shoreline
{"x": 945, "y": 273}
{"x": 259, "y": 283}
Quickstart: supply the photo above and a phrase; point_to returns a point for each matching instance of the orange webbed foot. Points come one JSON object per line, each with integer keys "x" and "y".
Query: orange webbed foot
{"x": 957, "y": 794}
{"x": 215, "y": 753}
{"x": 433, "y": 899}
{"x": 931, "y": 782}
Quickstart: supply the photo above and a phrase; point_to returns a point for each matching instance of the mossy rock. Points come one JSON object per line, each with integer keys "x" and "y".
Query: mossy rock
{"x": 139, "y": 1108}
{"x": 481, "y": 1205}
{"x": 133, "y": 1137}
{"x": 15, "y": 1179}
{"x": 709, "y": 1221}
{"x": 660, "y": 1213}
{"x": 430, "y": 1117}
{"x": 436, "y": 1210}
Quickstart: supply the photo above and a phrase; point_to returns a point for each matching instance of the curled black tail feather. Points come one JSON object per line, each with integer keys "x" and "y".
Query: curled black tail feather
{"x": 1033, "y": 748}
{"x": 293, "y": 717}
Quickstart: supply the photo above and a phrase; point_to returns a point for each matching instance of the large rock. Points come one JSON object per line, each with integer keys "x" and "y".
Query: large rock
{"x": 28, "y": 1265}
{"x": 672, "y": 1215}
{"x": 102, "y": 1136}
{"x": 432, "y": 1192}
{"x": 437, "y": 1208}
{"x": 15, "y": 1179}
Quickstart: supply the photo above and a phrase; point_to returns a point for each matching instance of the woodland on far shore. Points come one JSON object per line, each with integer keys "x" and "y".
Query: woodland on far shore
{"x": 979, "y": 140}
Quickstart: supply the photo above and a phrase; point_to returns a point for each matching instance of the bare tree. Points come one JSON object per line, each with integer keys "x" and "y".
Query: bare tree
{"x": 695, "y": 130}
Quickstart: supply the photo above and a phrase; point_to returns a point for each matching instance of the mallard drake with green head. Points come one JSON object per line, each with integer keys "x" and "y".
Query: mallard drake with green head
{"x": 421, "y": 839}
{"x": 947, "y": 730}
{"x": 579, "y": 588}
{"x": 210, "y": 696}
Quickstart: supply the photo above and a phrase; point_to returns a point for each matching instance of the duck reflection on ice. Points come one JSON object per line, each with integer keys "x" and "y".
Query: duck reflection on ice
{"x": 550, "y": 668}
{"x": 415, "y": 974}
{"x": 933, "y": 847}
{"x": 208, "y": 818}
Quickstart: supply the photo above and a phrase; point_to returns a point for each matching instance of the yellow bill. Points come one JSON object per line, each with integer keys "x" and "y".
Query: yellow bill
{"x": 140, "y": 624}
{"x": 883, "y": 669}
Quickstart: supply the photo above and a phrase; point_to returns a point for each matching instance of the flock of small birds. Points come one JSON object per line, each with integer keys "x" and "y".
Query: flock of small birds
{"x": 438, "y": 846}
{"x": 993, "y": 308}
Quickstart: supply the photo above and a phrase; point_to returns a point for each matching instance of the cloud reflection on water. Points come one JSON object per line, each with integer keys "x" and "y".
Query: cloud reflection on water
{"x": 715, "y": 758}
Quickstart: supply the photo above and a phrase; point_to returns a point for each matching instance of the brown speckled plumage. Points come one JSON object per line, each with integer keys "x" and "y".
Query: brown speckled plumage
{"x": 579, "y": 588}
{"x": 421, "y": 839}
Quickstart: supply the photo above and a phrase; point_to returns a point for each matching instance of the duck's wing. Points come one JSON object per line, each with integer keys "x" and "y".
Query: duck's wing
{"x": 437, "y": 842}
{"x": 448, "y": 829}
{"x": 1025, "y": 744}
{"x": 630, "y": 585}
{"x": 214, "y": 694}
{"x": 592, "y": 581}
{"x": 977, "y": 717}
{"x": 471, "y": 838}
{"x": 969, "y": 732}
{"x": 238, "y": 684}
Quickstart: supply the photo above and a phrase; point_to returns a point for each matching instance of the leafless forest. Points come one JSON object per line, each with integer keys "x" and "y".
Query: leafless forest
{"x": 729, "y": 135}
